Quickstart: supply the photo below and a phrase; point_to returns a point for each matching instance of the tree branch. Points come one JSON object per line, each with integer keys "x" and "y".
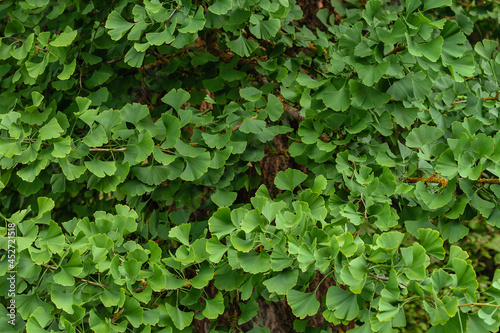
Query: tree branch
{"x": 491, "y": 98}
{"x": 444, "y": 181}
{"x": 293, "y": 112}
{"x": 430, "y": 179}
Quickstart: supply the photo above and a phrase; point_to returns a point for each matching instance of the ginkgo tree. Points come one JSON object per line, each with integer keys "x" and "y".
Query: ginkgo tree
{"x": 178, "y": 165}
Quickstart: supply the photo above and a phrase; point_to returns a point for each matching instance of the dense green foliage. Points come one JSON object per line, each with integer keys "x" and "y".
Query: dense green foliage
{"x": 133, "y": 134}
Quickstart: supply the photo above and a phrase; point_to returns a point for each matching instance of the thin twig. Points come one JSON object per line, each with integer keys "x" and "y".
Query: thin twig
{"x": 50, "y": 267}
{"x": 395, "y": 50}
{"x": 479, "y": 304}
{"x": 119, "y": 258}
{"x": 293, "y": 139}
{"x": 80, "y": 279}
{"x": 364, "y": 204}
{"x": 108, "y": 149}
{"x": 384, "y": 278}
{"x": 94, "y": 283}
{"x": 170, "y": 16}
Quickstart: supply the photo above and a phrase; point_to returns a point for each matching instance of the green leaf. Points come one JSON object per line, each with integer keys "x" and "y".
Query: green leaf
{"x": 367, "y": 97}
{"x": 153, "y": 174}
{"x": 280, "y": 259}
{"x": 416, "y": 261}
{"x": 283, "y": 282}
{"x": 430, "y": 4}
{"x": 466, "y": 276}
{"x": 223, "y": 198}
{"x": 14, "y": 27}
{"x": 45, "y": 205}
{"x": 35, "y": 69}
{"x": 195, "y": 166}
{"x": 214, "y": 307}
{"x": 264, "y": 29}
{"x": 372, "y": 7}
{"x": 97, "y": 137}
{"x": 248, "y": 311}
{"x": 390, "y": 241}
{"x": 339, "y": 100}
{"x": 63, "y": 300}
{"x": 27, "y": 305}
{"x": 73, "y": 267}
{"x": 478, "y": 324}
{"x": 135, "y": 188}
{"x": 62, "y": 147}
{"x": 162, "y": 37}
{"x": 442, "y": 310}
{"x": 355, "y": 274}
{"x": 180, "y": 318}
{"x": 254, "y": 262}
{"x": 431, "y": 50}
{"x": 371, "y": 73}
{"x": 343, "y": 303}
{"x": 172, "y": 130}
{"x": 176, "y": 98}
{"x": 434, "y": 200}
{"x": 195, "y": 23}
{"x": 483, "y": 145}
{"x": 117, "y": 25}
{"x": 71, "y": 171}
{"x": 412, "y": 86}
{"x": 432, "y": 243}
{"x": 485, "y": 48}
{"x": 251, "y": 221}
{"x": 101, "y": 168}
{"x": 134, "y": 113}
{"x": 134, "y": 58}
{"x": 251, "y": 94}
{"x": 220, "y": 158}
{"x": 242, "y": 244}
{"x": 180, "y": 233}
{"x": 220, "y": 224}
{"x": 242, "y": 46}
{"x": 38, "y": 3}
{"x": 420, "y": 136}
{"x": 302, "y": 304}
{"x": 140, "y": 150}
{"x": 67, "y": 71}
{"x": 446, "y": 164}
{"x": 216, "y": 249}
{"x": 305, "y": 257}
{"x": 51, "y": 130}
{"x": 274, "y": 107}
{"x": 289, "y": 179}
{"x": 30, "y": 172}
{"x": 221, "y": 7}
{"x": 65, "y": 38}
{"x": 133, "y": 311}
{"x": 52, "y": 238}
{"x": 250, "y": 125}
